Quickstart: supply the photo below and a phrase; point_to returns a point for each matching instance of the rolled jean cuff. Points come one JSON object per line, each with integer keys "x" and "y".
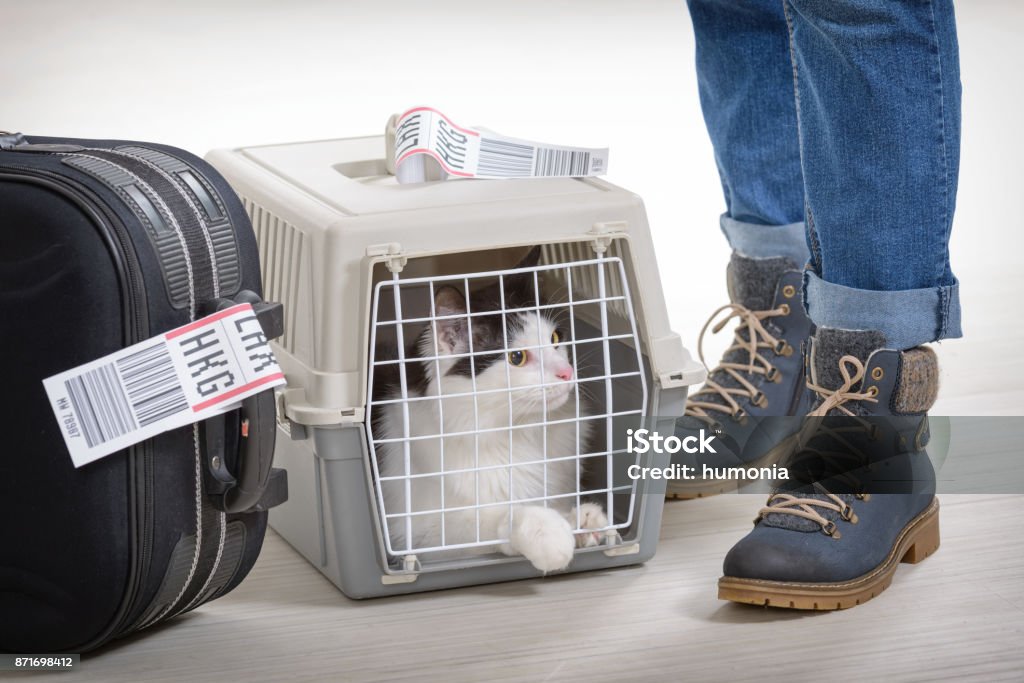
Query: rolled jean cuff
{"x": 767, "y": 241}
{"x": 907, "y": 318}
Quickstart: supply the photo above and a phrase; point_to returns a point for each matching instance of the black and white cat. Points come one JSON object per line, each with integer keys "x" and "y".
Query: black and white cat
{"x": 476, "y": 464}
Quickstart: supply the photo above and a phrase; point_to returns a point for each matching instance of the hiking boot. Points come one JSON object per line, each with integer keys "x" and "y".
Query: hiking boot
{"x": 861, "y": 495}
{"x": 759, "y": 380}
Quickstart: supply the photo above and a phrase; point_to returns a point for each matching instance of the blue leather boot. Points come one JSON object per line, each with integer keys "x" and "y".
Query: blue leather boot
{"x": 759, "y": 381}
{"x": 861, "y": 495}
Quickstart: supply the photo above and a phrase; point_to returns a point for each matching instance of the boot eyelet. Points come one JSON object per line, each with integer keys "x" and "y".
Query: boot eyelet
{"x": 783, "y": 349}
{"x": 872, "y": 391}
{"x": 789, "y": 291}
{"x": 863, "y": 496}
{"x": 773, "y": 375}
{"x": 848, "y": 515}
{"x": 785, "y": 309}
{"x": 788, "y": 351}
{"x": 877, "y": 374}
{"x": 832, "y": 530}
{"x": 759, "y": 399}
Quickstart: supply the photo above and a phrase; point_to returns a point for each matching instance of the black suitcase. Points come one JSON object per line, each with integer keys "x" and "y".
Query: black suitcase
{"x": 104, "y": 244}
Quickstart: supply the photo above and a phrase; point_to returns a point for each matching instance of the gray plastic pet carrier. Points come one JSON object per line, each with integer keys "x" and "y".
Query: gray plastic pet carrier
{"x": 367, "y": 270}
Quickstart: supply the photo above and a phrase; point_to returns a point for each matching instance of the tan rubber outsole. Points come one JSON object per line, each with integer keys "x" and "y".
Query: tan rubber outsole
{"x": 918, "y": 540}
{"x": 688, "y": 489}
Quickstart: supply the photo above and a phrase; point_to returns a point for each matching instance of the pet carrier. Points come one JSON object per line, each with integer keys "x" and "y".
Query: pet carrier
{"x": 420, "y": 428}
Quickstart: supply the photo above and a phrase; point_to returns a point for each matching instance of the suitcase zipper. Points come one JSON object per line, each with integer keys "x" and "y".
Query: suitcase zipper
{"x": 136, "y": 327}
{"x": 174, "y": 607}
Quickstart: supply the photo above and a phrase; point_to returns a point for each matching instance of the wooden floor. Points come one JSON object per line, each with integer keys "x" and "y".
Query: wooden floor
{"x": 958, "y": 615}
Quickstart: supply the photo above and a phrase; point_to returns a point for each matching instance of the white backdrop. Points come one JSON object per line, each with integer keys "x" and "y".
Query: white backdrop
{"x": 216, "y": 73}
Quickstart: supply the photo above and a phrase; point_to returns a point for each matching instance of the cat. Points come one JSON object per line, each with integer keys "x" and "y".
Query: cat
{"x": 476, "y": 463}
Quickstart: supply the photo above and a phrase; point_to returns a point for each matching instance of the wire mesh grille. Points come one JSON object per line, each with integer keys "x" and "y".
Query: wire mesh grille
{"x": 494, "y": 392}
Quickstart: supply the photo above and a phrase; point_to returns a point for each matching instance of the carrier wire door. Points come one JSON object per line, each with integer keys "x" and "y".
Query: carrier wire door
{"x": 610, "y": 389}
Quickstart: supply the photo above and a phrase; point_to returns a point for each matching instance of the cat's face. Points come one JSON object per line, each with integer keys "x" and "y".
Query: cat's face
{"x": 537, "y": 368}
{"x": 531, "y": 371}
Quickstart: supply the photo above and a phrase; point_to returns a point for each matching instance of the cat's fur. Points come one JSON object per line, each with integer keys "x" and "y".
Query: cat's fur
{"x": 543, "y": 534}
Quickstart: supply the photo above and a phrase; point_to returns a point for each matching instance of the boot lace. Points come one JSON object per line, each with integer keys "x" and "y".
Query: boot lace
{"x": 852, "y": 371}
{"x": 758, "y": 340}
{"x": 834, "y": 399}
{"x": 807, "y": 508}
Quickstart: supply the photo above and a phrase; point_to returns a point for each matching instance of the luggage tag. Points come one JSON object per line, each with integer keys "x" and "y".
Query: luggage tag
{"x": 423, "y": 144}
{"x": 177, "y": 378}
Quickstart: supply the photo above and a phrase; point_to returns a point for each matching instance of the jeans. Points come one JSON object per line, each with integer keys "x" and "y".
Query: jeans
{"x": 836, "y": 130}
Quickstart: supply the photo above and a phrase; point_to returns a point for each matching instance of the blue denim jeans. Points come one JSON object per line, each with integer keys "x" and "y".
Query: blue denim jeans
{"x": 836, "y": 130}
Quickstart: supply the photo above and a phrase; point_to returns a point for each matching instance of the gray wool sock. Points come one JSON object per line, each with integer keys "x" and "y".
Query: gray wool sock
{"x": 752, "y": 282}
{"x": 919, "y": 381}
{"x": 830, "y": 344}
{"x": 919, "y": 371}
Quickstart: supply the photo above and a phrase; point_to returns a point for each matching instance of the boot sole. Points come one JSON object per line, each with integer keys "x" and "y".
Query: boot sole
{"x": 918, "y": 540}
{"x": 688, "y": 489}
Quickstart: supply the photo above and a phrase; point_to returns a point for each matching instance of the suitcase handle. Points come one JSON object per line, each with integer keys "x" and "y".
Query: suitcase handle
{"x": 256, "y": 453}
{"x": 247, "y": 487}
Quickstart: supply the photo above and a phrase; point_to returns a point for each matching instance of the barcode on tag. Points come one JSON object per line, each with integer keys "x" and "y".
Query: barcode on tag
{"x": 183, "y": 376}
{"x": 153, "y": 389}
{"x": 562, "y": 162}
{"x": 119, "y": 397}
{"x": 424, "y": 133}
{"x": 504, "y": 158}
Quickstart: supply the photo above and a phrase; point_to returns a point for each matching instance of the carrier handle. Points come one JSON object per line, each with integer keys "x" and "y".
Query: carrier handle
{"x": 254, "y": 483}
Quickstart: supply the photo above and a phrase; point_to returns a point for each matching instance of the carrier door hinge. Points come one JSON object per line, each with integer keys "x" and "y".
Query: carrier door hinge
{"x": 391, "y": 579}
{"x": 604, "y": 232}
{"x": 392, "y": 253}
{"x": 619, "y": 550}
{"x": 411, "y": 565}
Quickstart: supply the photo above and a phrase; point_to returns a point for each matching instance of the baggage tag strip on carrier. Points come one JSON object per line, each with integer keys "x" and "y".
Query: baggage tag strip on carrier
{"x": 480, "y": 153}
{"x": 183, "y": 376}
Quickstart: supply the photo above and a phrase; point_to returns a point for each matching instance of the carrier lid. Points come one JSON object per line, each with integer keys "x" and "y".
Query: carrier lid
{"x": 350, "y": 175}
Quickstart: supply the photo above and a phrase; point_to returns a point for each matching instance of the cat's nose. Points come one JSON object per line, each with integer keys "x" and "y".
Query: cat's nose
{"x": 565, "y": 373}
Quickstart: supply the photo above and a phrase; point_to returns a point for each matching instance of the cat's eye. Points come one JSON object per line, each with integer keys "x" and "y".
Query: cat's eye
{"x": 517, "y": 358}
{"x": 555, "y": 338}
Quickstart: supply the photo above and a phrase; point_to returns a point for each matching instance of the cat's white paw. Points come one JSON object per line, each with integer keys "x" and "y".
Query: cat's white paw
{"x": 543, "y": 536}
{"x": 591, "y": 516}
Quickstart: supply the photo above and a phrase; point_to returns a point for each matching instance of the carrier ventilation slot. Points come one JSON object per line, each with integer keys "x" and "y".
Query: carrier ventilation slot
{"x": 282, "y": 248}
{"x": 568, "y": 252}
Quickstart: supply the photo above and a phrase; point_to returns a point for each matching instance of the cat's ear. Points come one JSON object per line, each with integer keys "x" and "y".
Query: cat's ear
{"x": 531, "y": 259}
{"x": 451, "y": 333}
{"x": 520, "y": 288}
